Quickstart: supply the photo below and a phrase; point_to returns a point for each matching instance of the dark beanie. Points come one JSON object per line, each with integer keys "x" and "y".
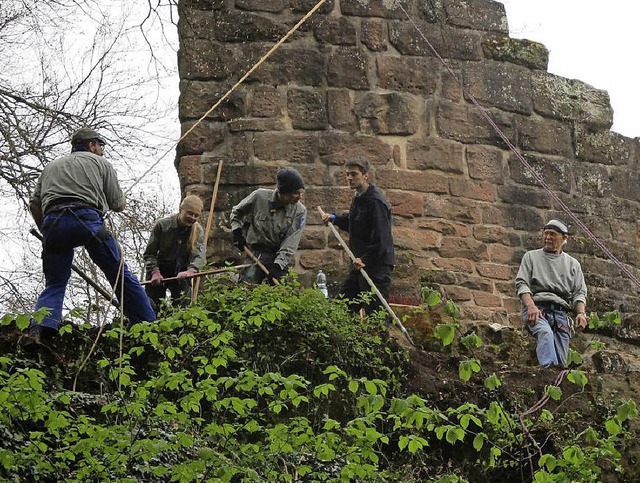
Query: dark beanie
{"x": 289, "y": 180}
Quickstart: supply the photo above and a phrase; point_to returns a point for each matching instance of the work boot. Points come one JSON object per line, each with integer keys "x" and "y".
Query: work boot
{"x": 37, "y": 335}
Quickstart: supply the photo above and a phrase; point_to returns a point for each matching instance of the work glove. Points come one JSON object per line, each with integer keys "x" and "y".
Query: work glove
{"x": 238, "y": 239}
{"x": 186, "y": 273}
{"x": 276, "y": 273}
{"x": 156, "y": 278}
{"x": 329, "y": 218}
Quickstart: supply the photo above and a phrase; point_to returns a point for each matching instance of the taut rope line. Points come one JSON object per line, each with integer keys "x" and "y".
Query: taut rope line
{"x": 526, "y": 164}
{"x": 275, "y": 47}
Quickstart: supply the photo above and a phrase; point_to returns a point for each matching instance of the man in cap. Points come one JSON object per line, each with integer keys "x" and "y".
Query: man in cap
{"x": 175, "y": 249}
{"x": 68, "y": 204}
{"x": 368, "y": 222}
{"x": 550, "y": 284}
{"x": 270, "y": 222}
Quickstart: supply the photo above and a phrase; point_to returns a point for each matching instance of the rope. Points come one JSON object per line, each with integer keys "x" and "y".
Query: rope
{"x": 524, "y": 162}
{"x": 535, "y": 408}
{"x": 230, "y": 91}
{"x": 119, "y": 276}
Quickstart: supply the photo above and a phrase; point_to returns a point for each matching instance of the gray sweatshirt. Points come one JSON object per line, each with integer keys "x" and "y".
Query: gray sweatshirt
{"x": 551, "y": 277}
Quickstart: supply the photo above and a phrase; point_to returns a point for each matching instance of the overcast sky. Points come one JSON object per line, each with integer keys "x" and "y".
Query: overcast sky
{"x": 593, "y": 41}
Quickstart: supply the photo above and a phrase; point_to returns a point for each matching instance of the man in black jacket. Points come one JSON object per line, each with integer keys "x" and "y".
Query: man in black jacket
{"x": 370, "y": 239}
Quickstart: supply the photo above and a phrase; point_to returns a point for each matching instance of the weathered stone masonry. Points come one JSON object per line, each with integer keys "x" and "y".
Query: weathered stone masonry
{"x": 358, "y": 79}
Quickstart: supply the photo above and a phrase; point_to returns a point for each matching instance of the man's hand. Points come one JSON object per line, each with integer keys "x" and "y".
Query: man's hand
{"x": 239, "y": 240}
{"x": 186, "y": 273}
{"x": 328, "y": 218}
{"x": 276, "y": 273}
{"x": 581, "y": 321}
{"x": 358, "y": 264}
{"x": 36, "y": 213}
{"x": 533, "y": 314}
{"x": 156, "y": 278}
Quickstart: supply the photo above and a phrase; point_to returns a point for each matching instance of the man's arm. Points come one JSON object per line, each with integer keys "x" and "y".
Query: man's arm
{"x": 524, "y": 291}
{"x": 36, "y": 212}
{"x": 290, "y": 244}
{"x": 581, "y": 316}
{"x": 342, "y": 221}
{"x": 380, "y": 237}
{"x": 151, "y": 251}
{"x": 580, "y": 300}
{"x": 239, "y": 211}
{"x": 533, "y": 312}
{"x": 115, "y": 196}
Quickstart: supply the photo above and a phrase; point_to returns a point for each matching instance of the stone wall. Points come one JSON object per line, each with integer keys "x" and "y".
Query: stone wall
{"x": 359, "y": 79}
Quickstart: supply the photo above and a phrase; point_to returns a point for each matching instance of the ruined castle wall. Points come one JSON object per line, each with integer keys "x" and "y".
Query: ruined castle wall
{"x": 359, "y": 79}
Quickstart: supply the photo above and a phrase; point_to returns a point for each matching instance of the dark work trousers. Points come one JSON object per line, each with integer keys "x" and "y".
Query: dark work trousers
{"x": 73, "y": 227}
{"x": 355, "y": 284}
{"x": 267, "y": 256}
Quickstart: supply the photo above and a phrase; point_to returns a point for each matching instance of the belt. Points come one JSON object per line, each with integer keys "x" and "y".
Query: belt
{"x": 551, "y": 306}
{"x": 64, "y": 203}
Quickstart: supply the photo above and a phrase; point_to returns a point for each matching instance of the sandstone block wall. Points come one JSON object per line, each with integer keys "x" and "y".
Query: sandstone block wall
{"x": 359, "y": 79}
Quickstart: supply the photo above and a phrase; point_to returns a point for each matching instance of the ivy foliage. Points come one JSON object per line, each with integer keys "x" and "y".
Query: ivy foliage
{"x": 271, "y": 384}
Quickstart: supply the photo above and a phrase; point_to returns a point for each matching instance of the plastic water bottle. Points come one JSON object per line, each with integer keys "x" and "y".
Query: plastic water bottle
{"x": 321, "y": 282}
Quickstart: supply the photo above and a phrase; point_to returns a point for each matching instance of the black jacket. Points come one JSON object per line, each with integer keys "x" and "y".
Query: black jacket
{"x": 369, "y": 225}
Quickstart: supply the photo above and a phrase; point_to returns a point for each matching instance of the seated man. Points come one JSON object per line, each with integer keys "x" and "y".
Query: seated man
{"x": 550, "y": 284}
{"x": 270, "y": 222}
{"x": 175, "y": 249}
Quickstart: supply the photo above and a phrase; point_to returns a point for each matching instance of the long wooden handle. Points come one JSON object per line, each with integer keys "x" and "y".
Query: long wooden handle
{"x": 196, "y": 286}
{"x": 368, "y": 279}
{"x": 257, "y": 261}
{"x": 201, "y": 274}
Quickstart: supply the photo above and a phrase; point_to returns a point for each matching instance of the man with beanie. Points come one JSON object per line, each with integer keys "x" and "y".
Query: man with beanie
{"x": 368, "y": 222}
{"x": 69, "y": 202}
{"x": 175, "y": 249}
{"x": 270, "y": 223}
{"x": 550, "y": 284}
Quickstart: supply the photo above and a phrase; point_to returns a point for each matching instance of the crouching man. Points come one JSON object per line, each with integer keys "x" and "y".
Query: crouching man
{"x": 270, "y": 223}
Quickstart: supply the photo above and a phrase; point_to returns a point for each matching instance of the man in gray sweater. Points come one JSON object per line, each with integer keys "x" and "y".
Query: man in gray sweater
{"x": 550, "y": 284}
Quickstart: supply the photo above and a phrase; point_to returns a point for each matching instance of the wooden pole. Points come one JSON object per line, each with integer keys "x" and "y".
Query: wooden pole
{"x": 201, "y": 274}
{"x": 369, "y": 281}
{"x": 257, "y": 261}
{"x": 196, "y": 286}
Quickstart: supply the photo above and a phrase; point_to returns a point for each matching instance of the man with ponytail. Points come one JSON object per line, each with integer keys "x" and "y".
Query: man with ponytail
{"x": 175, "y": 249}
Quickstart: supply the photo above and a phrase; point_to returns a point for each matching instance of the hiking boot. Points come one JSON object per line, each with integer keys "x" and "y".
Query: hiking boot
{"x": 37, "y": 335}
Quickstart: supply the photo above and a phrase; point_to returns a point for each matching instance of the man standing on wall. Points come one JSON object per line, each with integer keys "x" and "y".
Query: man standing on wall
{"x": 270, "y": 223}
{"x": 175, "y": 249}
{"x": 370, "y": 238}
{"x": 68, "y": 205}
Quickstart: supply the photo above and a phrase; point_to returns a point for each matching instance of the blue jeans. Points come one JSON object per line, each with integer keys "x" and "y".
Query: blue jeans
{"x": 552, "y": 336}
{"x": 73, "y": 227}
